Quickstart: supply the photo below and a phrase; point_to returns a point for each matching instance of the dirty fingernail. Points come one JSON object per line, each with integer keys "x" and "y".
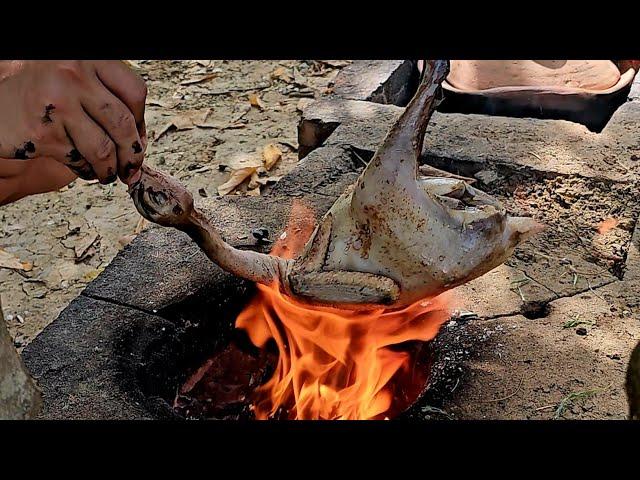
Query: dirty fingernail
{"x": 135, "y": 177}
{"x": 109, "y": 179}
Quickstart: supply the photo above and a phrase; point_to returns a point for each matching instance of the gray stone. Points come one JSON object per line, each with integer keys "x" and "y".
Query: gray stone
{"x": 322, "y": 117}
{"x": 380, "y": 81}
{"x": 476, "y": 142}
{"x": 634, "y": 93}
{"x": 86, "y": 362}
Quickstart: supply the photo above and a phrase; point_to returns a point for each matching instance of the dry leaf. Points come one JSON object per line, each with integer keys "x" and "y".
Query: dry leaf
{"x": 85, "y": 244}
{"x": 254, "y": 182}
{"x": 202, "y": 79}
{"x": 35, "y": 288}
{"x": 282, "y": 73}
{"x": 7, "y": 260}
{"x": 185, "y": 120}
{"x": 13, "y": 228}
{"x": 237, "y": 178}
{"x": 154, "y": 102}
{"x": 69, "y": 273}
{"x": 255, "y": 101}
{"x": 242, "y": 160}
{"x": 220, "y": 126}
{"x": 268, "y": 180}
{"x": 208, "y": 125}
{"x": 132, "y": 64}
{"x": 335, "y": 63}
{"x": 271, "y": 154}
{"x": 607, "y": 224}
{"x": 140, "y": 226}
{"x": 92, "y": 274}
{"x": 126, "y": 239}
{"x": 299, "y": 79}
{"x": 241, "y": 110}
{"x": 86, "y": 247}
{"x": 290, "y": 144}
{"x": 90, "y": 252}
{"x": 206, "y": 168}
{"x": 167, "y": 126}
{"x": 304, "y": 103}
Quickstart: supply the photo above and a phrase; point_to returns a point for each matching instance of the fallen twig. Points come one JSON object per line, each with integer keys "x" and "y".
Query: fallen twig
{"x": 430, "y": 171}
{"x": 238, "y": 89}
{"x": 508, "y": 396}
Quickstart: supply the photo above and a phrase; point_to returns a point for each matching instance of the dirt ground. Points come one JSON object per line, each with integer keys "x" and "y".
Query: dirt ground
{"x": 70, "y": 236}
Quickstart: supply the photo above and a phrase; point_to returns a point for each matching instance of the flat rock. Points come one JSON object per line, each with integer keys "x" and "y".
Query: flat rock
{"x": 80, "y": 371}
{"x": 321, "y": 118}
{"x": 634, "y": 93}
{"x": 478, "y": 141}
{"x": 379, "y": 81}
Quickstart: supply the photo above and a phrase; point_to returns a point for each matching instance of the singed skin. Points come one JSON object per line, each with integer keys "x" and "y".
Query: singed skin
{"x": 391, "y": 239}
{"x": 426, "y": 234}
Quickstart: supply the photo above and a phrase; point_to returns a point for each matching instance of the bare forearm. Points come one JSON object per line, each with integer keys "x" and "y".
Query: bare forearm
{"x": 20, "y": 178}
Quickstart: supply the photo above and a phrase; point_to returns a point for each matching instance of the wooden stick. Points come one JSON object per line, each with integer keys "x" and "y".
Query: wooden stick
{"x": 429, "y": 171}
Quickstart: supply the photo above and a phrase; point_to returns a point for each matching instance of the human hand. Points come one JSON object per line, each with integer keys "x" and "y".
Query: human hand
{"x": 87, "y": 115}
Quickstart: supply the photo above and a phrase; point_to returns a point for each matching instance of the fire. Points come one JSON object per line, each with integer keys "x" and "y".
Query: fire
{"x": 333, "y": 363}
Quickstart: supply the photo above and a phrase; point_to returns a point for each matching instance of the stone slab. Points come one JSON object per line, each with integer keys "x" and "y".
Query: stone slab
{"x": 380, "y": 81}
{"x": 554, "y": 146}
{"x": 80, "y": 371}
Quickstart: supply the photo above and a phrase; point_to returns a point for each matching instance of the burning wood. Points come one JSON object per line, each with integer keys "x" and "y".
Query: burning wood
{"x": 392, "y": 239}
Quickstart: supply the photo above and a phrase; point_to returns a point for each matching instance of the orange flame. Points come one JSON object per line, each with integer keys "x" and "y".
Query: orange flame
{"x": 333, "y": 363}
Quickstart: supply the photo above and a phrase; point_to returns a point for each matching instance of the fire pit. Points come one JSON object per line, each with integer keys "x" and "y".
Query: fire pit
{"x": 153, "y": 336}
{"x": 161, "y": 316}
{"x": 227, "y": 386}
